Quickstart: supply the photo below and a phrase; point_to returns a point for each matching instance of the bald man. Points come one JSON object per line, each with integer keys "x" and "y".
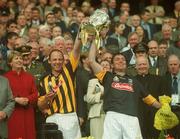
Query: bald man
{"x": 153, "y": 85}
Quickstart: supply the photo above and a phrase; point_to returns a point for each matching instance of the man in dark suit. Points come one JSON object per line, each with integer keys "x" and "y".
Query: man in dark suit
{"x": 166, "y": 34}
{"x": 158, "y": 65}
{"x": 6, "y": 106}
{"x": 150, "y": 28}
{"x": 112, "y": 11}
{"x": 133, "y": 40}
{"x": 172, "y": 88}
{"x": 153, "y": 85}
{"x": 176, "y": 11}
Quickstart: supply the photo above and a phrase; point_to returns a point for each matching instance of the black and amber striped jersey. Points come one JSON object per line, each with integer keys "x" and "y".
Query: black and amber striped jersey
{"x": 63, "y": 86}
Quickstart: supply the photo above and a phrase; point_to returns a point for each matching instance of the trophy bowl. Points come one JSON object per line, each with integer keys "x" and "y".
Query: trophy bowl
{"x": 97, "y": 21}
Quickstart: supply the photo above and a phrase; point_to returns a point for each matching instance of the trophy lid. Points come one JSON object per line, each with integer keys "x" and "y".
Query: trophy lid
{"x": 99, "y": 18}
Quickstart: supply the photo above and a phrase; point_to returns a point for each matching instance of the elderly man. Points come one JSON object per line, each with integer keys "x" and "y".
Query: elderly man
{"x": 172, "y": 88}
{"x": 154, "y": 85}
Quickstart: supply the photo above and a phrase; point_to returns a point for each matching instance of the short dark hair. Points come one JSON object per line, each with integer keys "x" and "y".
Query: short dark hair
{"x": 116, "y": 54}
{"x": 10, "y": 22}
{"x": 11, "y": 34}
{"x": 144, "y": 11}
{"x": 163, "y": 42}
{"x": 35, "y": 9}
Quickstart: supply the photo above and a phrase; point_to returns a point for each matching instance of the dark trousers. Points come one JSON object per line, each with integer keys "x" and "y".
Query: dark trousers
{"x": 175, "y": 132}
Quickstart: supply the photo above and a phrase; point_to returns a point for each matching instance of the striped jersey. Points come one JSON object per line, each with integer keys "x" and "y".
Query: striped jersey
{"x": 63, "y": 86}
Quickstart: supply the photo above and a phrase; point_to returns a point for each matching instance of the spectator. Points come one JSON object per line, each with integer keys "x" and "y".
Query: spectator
{"x": 176, "y": 11}
{"x": 7, "y": 48}
{"x": 22, "y": 24}
{"x": 156, "y": 13}
{"x": 43, "y": 8}
{"x": 6, "y": 107}
{"x": 172, "y": 88}
{"x": 154, "y": 85}
{"x": 112, "y": 8}
{"x": 74, "y": 27}
{"x": 145, "y": 16}
{"x": 45, "y": 32}
{"x": 36, "y": 19}
{"x": 83, "y": 74}
{"x": 135, "y": 22}
{"x": 60, "y": 19}
{"x": 174, "y": 50}
{"x": 117, "y": 35}
{"x": 56, "y": 31}
{"x": 69, "y": 44}
{"x": 11, "y": 26}
{"x": 3, "y": 65}
{"x": 25, "y": 95}
{"x": 94, "y": 98}
{"x": 4, "y": 15}
{"x": 125, "y": 7}
{"x": 28, "y": 14}
{"x": 59, "y": 43}
{"x": 165, "y": 34}
{"x": 163, "y": 47}
{"x": 140, "y": 50}
{"x": 133, "y": 40}
{"x": 143, "y": 37}
{"x": 33, "y": 35}
{"x": 123, "y": 18}
{"x": 158, "y": 65}
{"x": 50, "y": 20}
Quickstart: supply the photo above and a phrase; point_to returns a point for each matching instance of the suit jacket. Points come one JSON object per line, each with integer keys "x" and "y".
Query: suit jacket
{"x": 168, "y": 89}
{"x": 151, "y": 31}
{"x": 128, "y": 53}
{"x": 126, "y": 31}
{"x": 173, "y": 50}
{"x": 157, "y": 9}
{"x": 82, "y": 79}
{"x": 161, "y": 66}
{"x": 93, "y": 97}
{"x": 153, "y": 84}
{"x": 159, "y": 37}
{"x": 167, "y": 81}
{"x": 122, "y": 41}
{"x": 6, "y": 105}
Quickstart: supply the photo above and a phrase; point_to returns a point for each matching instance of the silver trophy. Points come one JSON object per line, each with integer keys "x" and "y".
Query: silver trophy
{"x": 97, "y": 21}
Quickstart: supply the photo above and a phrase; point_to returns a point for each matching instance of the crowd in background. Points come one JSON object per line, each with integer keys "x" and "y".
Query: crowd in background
{"x": 37, "y": 34}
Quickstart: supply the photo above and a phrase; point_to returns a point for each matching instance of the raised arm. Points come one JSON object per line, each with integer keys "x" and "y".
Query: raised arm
{"x": 96, "y": 67}
{"x": 77, "y": 47}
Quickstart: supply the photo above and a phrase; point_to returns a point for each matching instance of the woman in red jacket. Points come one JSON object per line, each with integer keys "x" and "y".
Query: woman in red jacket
{"x": 21, "y": 124}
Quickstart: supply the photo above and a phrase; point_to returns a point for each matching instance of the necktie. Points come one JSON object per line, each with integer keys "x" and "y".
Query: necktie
{"x": 154, "y": 11}
{"x": 175, "y": 85}
{"x": 154, "y": 62}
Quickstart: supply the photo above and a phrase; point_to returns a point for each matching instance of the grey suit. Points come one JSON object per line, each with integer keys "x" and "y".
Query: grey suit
{"x": 6, "y": 105}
